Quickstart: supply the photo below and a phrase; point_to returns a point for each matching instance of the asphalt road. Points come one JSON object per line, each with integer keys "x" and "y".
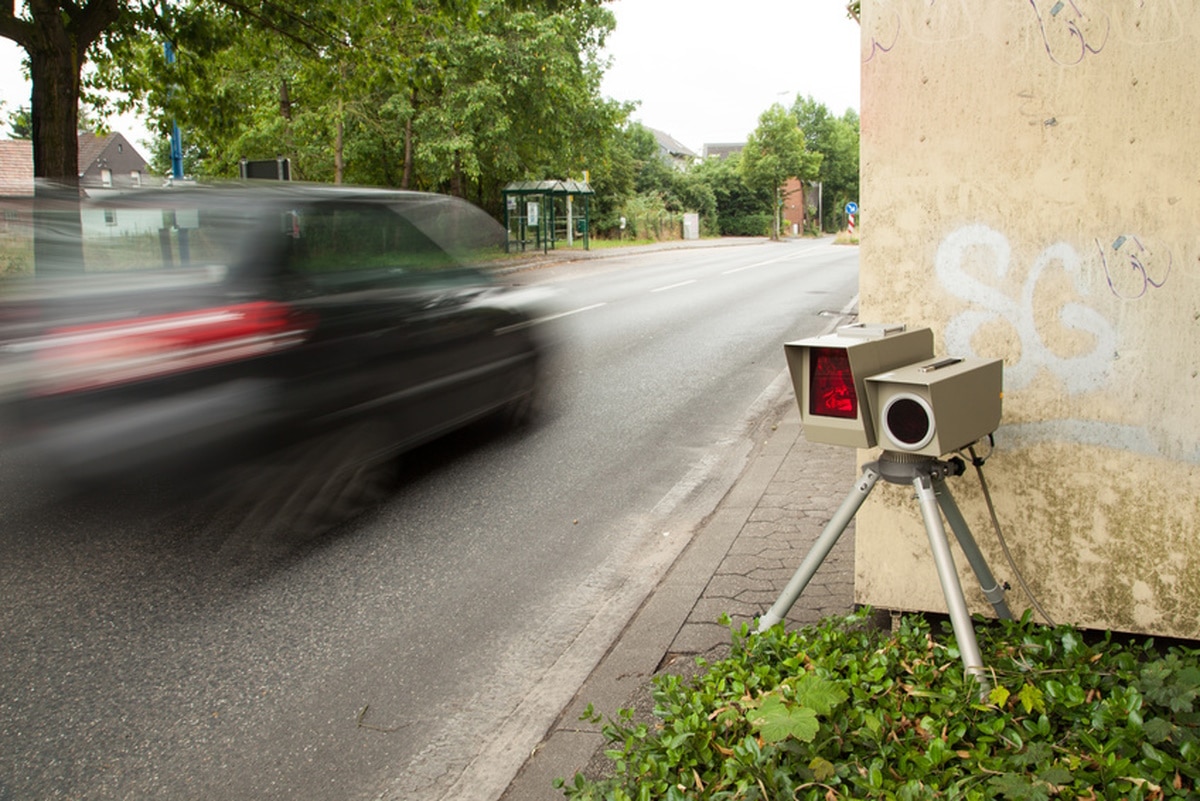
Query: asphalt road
{"x": 421, "y": 650}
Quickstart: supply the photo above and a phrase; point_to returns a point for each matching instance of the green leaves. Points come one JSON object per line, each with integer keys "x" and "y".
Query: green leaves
{"x": 836, "y": 139}
{"x": 460, "y": 96}
{"x": 1031, "y": 699}
{"x": 820, "y": 695}
{"x": 845, "y": 711}
{"x": 776, "y": 720}
{"x": 776, "y": 151}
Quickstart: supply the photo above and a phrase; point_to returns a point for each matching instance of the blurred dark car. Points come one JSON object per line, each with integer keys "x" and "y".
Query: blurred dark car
{"x": 317, "y": 330}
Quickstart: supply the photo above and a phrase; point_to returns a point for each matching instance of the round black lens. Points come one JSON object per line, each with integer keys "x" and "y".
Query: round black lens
{"x": 907, "y": 421}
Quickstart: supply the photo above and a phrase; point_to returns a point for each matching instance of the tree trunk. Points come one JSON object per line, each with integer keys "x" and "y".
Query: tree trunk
{"x": 339, "y": 156}
{"x": 406, "y": 177}
{"x": 285, "y": 100}
{"x": 57, "y": 40}
{"x": 778, "y": 207}
{"x": 54, "y": 112}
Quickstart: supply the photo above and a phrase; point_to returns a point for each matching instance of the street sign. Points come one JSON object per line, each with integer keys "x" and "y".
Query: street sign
{"x": 852, "y": 207}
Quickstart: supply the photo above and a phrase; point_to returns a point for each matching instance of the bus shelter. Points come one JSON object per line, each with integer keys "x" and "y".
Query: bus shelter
{"x": 540, "y": 214}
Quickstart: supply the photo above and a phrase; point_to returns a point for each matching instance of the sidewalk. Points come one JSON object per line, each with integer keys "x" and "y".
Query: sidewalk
{"x": 520, "y": 261}
{"x": 737, "y": 563}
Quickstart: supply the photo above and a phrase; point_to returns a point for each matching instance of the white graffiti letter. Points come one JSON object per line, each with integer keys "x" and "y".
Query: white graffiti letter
{"x": 988, "y": 303}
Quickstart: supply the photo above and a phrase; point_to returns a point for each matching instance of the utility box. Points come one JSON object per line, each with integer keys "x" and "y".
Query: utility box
{"x": 691, "y": 226}
{"x": 936, "y": 407}
{"x": 829, "y": 375}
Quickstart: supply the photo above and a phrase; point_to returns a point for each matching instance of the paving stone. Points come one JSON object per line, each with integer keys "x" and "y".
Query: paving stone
{"x": 798, "y": 502}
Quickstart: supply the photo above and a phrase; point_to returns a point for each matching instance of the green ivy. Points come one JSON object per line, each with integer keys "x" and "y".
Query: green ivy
{"x": 843, "y": 710}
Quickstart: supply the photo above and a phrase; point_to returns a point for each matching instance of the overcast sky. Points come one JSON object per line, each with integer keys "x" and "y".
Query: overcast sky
{"x": 704, "y": 70}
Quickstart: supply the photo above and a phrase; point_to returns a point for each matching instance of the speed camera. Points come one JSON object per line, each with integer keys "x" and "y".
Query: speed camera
{"x": 880, "y": 385}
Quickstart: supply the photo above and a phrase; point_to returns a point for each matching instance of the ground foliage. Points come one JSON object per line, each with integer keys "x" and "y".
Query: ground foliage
{"x": 845, "y": 710}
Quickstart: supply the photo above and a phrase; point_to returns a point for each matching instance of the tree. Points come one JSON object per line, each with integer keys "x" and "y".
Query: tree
{"x": 515, "y": 95}
{"x": 613, "y": 177}
{"x": 19, "y": 124}
{"x": 836, "y": 139}
{"x": 842, "y": 177}
{"x": 739, "y": 208}
{"x": 696, "y": 194}
{"x": 56, "y": 36}
{"x": 775, "y": 151}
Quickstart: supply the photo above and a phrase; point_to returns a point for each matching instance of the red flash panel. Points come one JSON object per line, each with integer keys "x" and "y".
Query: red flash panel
{"x": 832, "y": 384}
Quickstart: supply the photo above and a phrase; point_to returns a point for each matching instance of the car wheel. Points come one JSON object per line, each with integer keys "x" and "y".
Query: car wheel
{"x": 524, "y": 409}
{"x": 305, "y": 490}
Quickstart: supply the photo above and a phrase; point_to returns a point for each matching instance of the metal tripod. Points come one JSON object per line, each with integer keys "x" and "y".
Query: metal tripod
{"x": 927, "y": 475}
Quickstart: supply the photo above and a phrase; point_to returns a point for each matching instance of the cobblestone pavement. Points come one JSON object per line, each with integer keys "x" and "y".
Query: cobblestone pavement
{"x": 737, "y": 564}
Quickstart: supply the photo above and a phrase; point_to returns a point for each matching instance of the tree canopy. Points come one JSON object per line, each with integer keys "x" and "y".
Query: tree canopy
{"x": 776, "y": 151}
{"x": 456, "y": 96}
{"x": 836, "y": 139}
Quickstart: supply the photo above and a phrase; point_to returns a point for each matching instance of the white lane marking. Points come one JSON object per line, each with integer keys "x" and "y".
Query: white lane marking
{"x": 674, "y": 286}
{"x": 789, "y": 257}
{"x": 547, "y": 318}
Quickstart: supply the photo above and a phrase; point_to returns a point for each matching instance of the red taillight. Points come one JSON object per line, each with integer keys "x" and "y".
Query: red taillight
{"x": 831, "y": 384}
{"x": 101, "y": 354}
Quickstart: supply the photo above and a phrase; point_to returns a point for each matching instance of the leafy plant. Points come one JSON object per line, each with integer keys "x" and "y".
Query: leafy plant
{"x": 843, "y": 710}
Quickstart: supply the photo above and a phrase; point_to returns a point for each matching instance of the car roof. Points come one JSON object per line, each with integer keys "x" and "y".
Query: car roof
{"x": 279, "y": 193}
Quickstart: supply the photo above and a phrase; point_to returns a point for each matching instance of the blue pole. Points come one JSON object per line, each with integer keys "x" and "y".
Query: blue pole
{"x": 176, "y": 139}
{"x": 185, "y": 251}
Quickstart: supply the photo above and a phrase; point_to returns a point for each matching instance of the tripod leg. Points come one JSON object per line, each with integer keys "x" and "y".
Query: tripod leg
{"x": 820, "y": 549}
{"x": 987, "y": 582}
{"x": 960, "y": 618}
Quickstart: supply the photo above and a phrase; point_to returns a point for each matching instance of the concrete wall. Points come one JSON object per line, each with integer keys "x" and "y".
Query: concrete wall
{"x": 1031, "y": 191}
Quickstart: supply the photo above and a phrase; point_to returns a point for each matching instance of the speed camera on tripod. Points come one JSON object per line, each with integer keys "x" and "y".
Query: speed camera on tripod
{"x": 880, "y": 385}
{"x": 869, "y": 385}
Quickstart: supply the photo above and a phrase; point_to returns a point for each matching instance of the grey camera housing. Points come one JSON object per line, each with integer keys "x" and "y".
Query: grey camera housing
{"x": 936, "y": 407}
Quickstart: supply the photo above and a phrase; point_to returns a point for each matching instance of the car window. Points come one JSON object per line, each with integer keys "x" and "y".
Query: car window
{"x": 122, "y": 234}
{"x": 350, "y": 239}
{"x": 154, "y": 238}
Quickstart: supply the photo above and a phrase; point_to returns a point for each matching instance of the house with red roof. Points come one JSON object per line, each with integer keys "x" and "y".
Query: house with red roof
{"x": 106, "y": 161}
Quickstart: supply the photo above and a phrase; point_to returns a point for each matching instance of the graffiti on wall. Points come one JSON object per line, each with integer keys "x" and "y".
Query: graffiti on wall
{"x": 974, "y": 263}
{"x": 1132, "y": 269}
{"x": 1069, "y": 34}
{"x": 1069, "y": 31}
{"x": 989, "y": 303}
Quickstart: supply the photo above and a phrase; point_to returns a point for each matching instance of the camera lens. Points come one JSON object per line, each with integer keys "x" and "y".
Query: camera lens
{"x": 908, "y": 421}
